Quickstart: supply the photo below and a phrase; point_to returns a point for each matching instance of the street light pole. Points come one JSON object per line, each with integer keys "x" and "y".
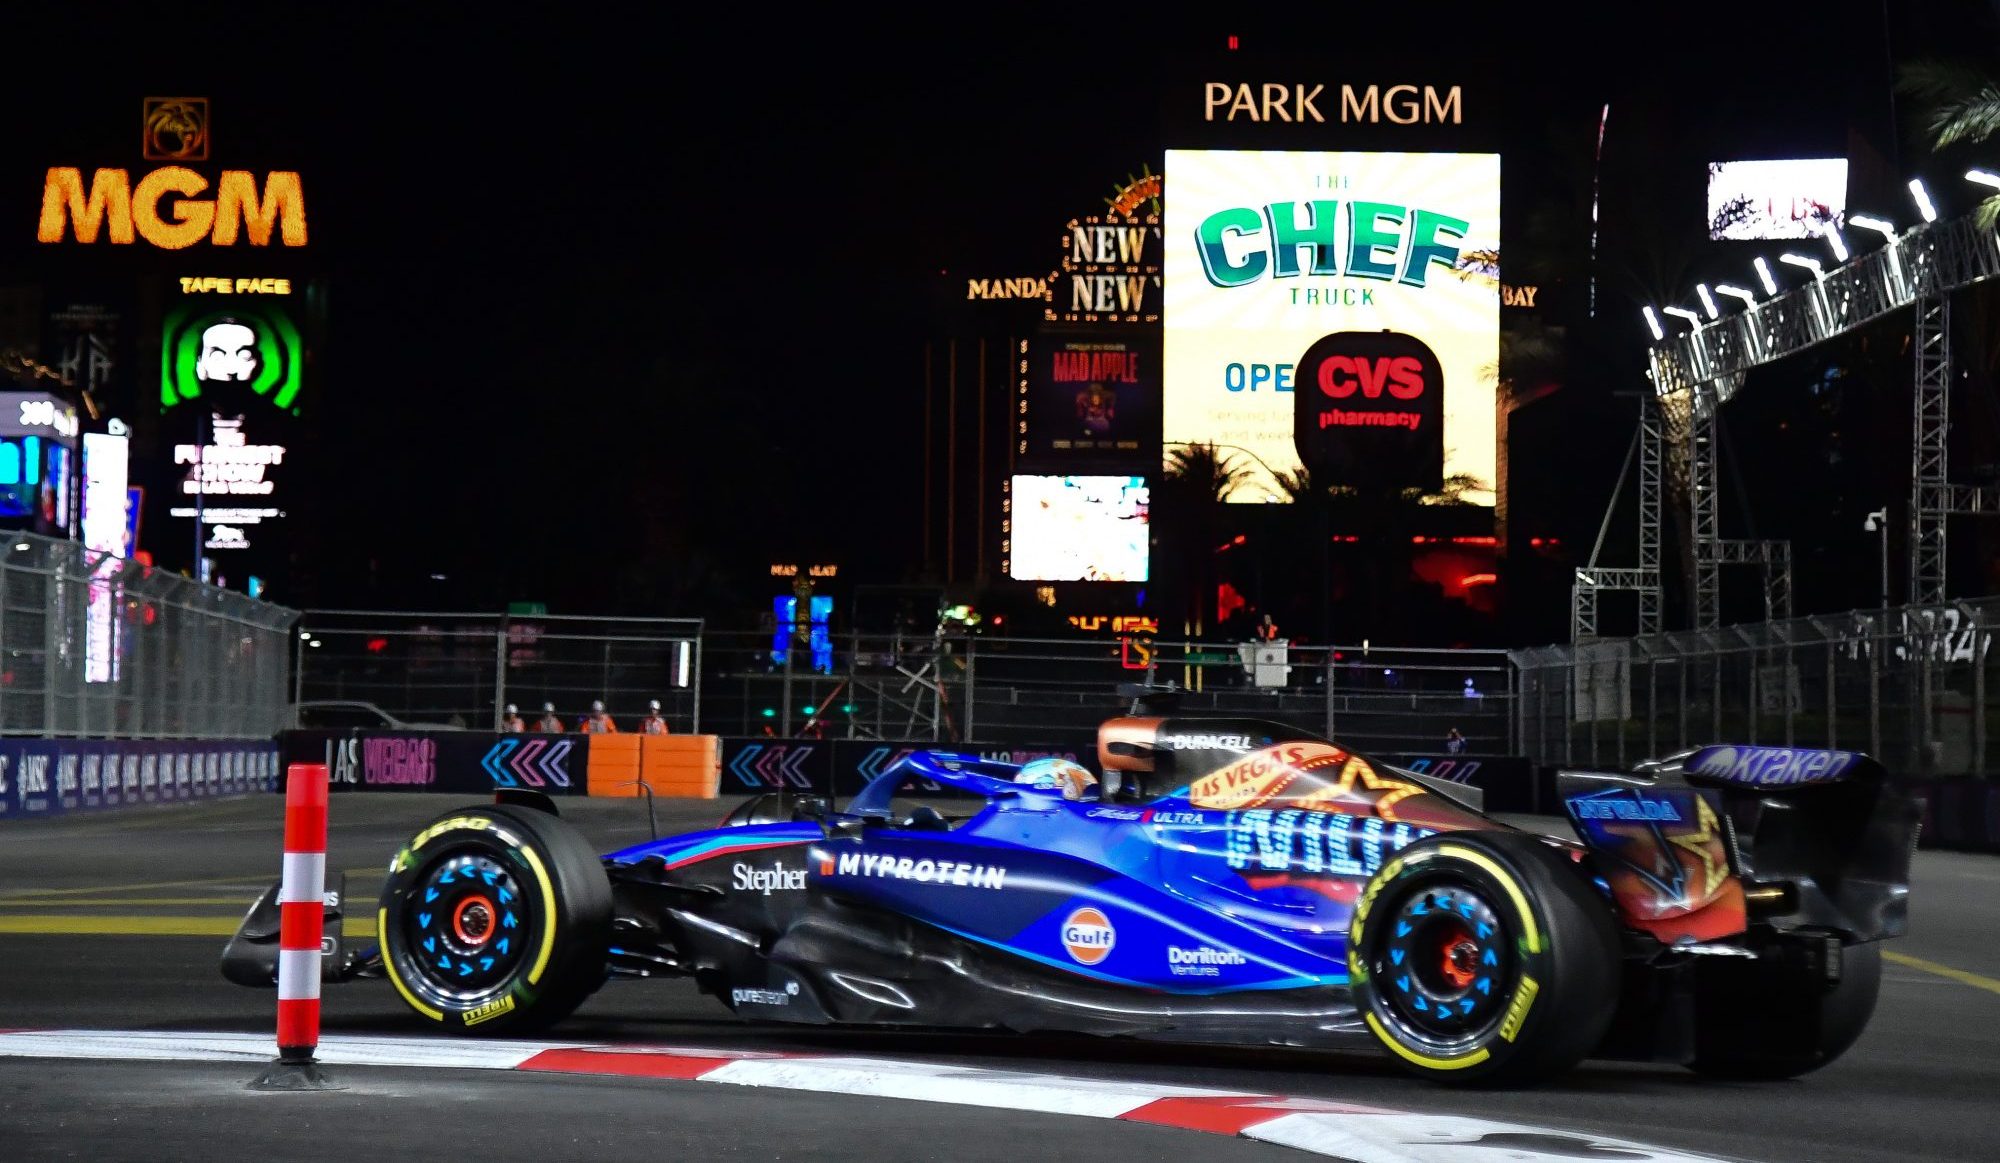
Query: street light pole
{"x": 1878, "y": 523}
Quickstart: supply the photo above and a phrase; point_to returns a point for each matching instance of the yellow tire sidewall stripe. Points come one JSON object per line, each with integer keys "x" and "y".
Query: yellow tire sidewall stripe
{"x": 396, "y": 979}
{"x": 548, "y": 914}
{"x": 1425, "y": 1060}
{"x": 1531, "y": 938}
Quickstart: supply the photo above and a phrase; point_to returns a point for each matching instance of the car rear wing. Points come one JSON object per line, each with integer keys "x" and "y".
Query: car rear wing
{"x": 1817, "y": 840}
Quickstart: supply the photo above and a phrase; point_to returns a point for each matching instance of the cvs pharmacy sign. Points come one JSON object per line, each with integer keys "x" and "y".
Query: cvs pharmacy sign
{"x": 1369, "y": 408}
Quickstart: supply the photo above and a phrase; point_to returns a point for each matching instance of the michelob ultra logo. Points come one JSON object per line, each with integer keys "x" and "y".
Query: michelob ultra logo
{"x": 1385, "y": 241}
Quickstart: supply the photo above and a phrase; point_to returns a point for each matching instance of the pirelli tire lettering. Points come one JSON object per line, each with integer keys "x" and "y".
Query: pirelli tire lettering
{"x": 1484, "y": 958}
{"x": 495, "y": 920}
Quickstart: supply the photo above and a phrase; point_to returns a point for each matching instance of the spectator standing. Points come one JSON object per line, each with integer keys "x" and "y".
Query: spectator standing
{"x": 599, "y": 722}
{"x": 550, "y": 721}
{"x": 653, "y": 724}
{"x": 513, "y": 724}
{"x": 1454, "y": 743}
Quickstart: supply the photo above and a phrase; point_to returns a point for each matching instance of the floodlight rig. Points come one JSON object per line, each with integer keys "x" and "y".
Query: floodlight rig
{"x": 1701, "y": 370}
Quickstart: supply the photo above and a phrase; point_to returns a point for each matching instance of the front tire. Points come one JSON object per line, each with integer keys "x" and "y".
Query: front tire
{"x": 495, "y": 920}
{"x": 1484, "y": 958}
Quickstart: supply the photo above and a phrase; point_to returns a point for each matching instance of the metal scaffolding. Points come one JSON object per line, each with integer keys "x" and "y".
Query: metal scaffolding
{"x": 1594, "y": 579}
{"x": 1703, "y": 369}
{"x": 1932, "y": 497}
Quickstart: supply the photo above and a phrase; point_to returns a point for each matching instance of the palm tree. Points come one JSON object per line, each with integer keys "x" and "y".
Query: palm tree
{"x": 1960, "y": 104}
{"x": 1204, "y": 473}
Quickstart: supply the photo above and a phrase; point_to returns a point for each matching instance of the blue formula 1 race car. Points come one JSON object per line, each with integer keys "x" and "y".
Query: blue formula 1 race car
{"x": 1229, "y": 880}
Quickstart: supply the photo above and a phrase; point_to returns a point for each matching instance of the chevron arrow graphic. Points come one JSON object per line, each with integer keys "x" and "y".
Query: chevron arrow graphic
{"x": 740, "y": 765}
{"x": 555, "y": 764}
{"x": 521, "y": 762}
{"x": 792, "y": 763}
{"x": 768, "y": 765}
{"x": 492, "y": 761}
{"x": 871, "y": 763}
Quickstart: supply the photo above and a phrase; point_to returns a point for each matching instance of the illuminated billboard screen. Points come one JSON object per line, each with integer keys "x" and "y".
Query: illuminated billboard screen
{"x": 1078, "y": 528}
{"x": 106, "y": 497}
{"x": 1090, "y": 399}
{"x": 1796, "y": 198}
{"x": 1283, "y": 272}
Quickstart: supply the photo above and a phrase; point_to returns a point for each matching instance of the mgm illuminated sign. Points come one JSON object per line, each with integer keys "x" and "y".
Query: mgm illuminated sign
{"x": 172, "y": 208}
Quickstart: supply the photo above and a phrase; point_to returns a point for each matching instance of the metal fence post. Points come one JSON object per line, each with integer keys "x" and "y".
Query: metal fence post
{"x": 1332, "y": 681}
{"x": 500, "y": 676}
{"x": 971, "y": 686}
{"x": 1978, "y": 694}
{"x": 51, "y": 624}
{"x": 785, "y": 704}
{"x": 1874, "y": 696}
{"x": 700, "y": 636}
{"x": 1515, "y": 735}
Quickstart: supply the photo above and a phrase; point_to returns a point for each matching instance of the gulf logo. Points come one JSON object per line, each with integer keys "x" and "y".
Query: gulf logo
{"x": 1088, "y": 936}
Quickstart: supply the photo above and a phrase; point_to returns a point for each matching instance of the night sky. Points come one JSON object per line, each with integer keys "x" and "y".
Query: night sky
{"x": 626, "y": 304}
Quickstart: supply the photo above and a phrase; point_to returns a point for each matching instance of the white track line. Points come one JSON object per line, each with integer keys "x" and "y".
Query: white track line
{"x": 1358, "y": 1134}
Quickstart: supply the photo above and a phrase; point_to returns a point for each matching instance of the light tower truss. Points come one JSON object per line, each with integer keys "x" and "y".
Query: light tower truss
{"x": 1594, "y": 579}
{"x": 1704, "y": 368}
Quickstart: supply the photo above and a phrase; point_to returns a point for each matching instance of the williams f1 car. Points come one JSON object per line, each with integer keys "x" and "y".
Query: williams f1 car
{"x": 1230, "y": 880}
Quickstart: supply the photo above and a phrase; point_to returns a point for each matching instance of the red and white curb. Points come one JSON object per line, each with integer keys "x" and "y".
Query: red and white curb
{"x": 1360, "y": 1134}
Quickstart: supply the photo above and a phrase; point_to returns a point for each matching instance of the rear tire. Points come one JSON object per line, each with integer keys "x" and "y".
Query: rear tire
{"x": 1484, "y": 958}
{"x": 495, "y": 920}
{"x": 1759, "y": 1021}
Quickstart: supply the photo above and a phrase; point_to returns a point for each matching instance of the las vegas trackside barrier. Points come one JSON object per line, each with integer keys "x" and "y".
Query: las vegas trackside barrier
{"x": 842, "y": 767}
{"x": 477, "y": 762}
{"x": 45, "y": 777}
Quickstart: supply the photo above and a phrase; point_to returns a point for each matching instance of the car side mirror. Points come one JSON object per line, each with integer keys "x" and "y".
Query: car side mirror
{"x": 810, "y": 808}
{"x": 842, "y": 827}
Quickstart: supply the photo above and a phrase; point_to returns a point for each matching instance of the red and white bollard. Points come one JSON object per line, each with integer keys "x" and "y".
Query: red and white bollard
{"x": 301, "y": 927}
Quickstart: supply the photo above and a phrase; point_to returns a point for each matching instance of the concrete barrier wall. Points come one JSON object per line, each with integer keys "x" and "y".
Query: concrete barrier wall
{"x": 44, "y": 777}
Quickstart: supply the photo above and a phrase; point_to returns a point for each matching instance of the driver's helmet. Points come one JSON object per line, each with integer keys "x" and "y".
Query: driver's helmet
{"x": 1056, "y": 774}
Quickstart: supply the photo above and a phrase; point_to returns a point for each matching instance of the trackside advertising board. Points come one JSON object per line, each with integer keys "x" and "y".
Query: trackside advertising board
{"x": 1340, "y": 310}
{"x": 46, "y": 776}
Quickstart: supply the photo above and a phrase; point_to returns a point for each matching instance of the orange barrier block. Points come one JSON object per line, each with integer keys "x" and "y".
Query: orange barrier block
{"x": 687, "y": 766}
{"x": 614, "y": 761}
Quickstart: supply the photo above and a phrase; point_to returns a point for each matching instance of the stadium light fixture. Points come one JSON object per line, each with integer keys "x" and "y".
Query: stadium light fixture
{"x": 1764, "y": 275}
{"x": 1749, "y": 297}
{"x": 1983, "y": 177}
{"x": 1799, "y": 260}
{"x": 1693, "y": 319}
{"x": 1881, "y": 226}
{"x": 1839, "y": 244}
{"x": 1923, "y": 198}
{"x": 1653, "y": 321}
{"x": 1707, "y": 300}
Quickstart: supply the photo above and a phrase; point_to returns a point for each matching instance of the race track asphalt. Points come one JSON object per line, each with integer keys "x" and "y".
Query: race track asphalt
{"x": 115, "y": 920}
